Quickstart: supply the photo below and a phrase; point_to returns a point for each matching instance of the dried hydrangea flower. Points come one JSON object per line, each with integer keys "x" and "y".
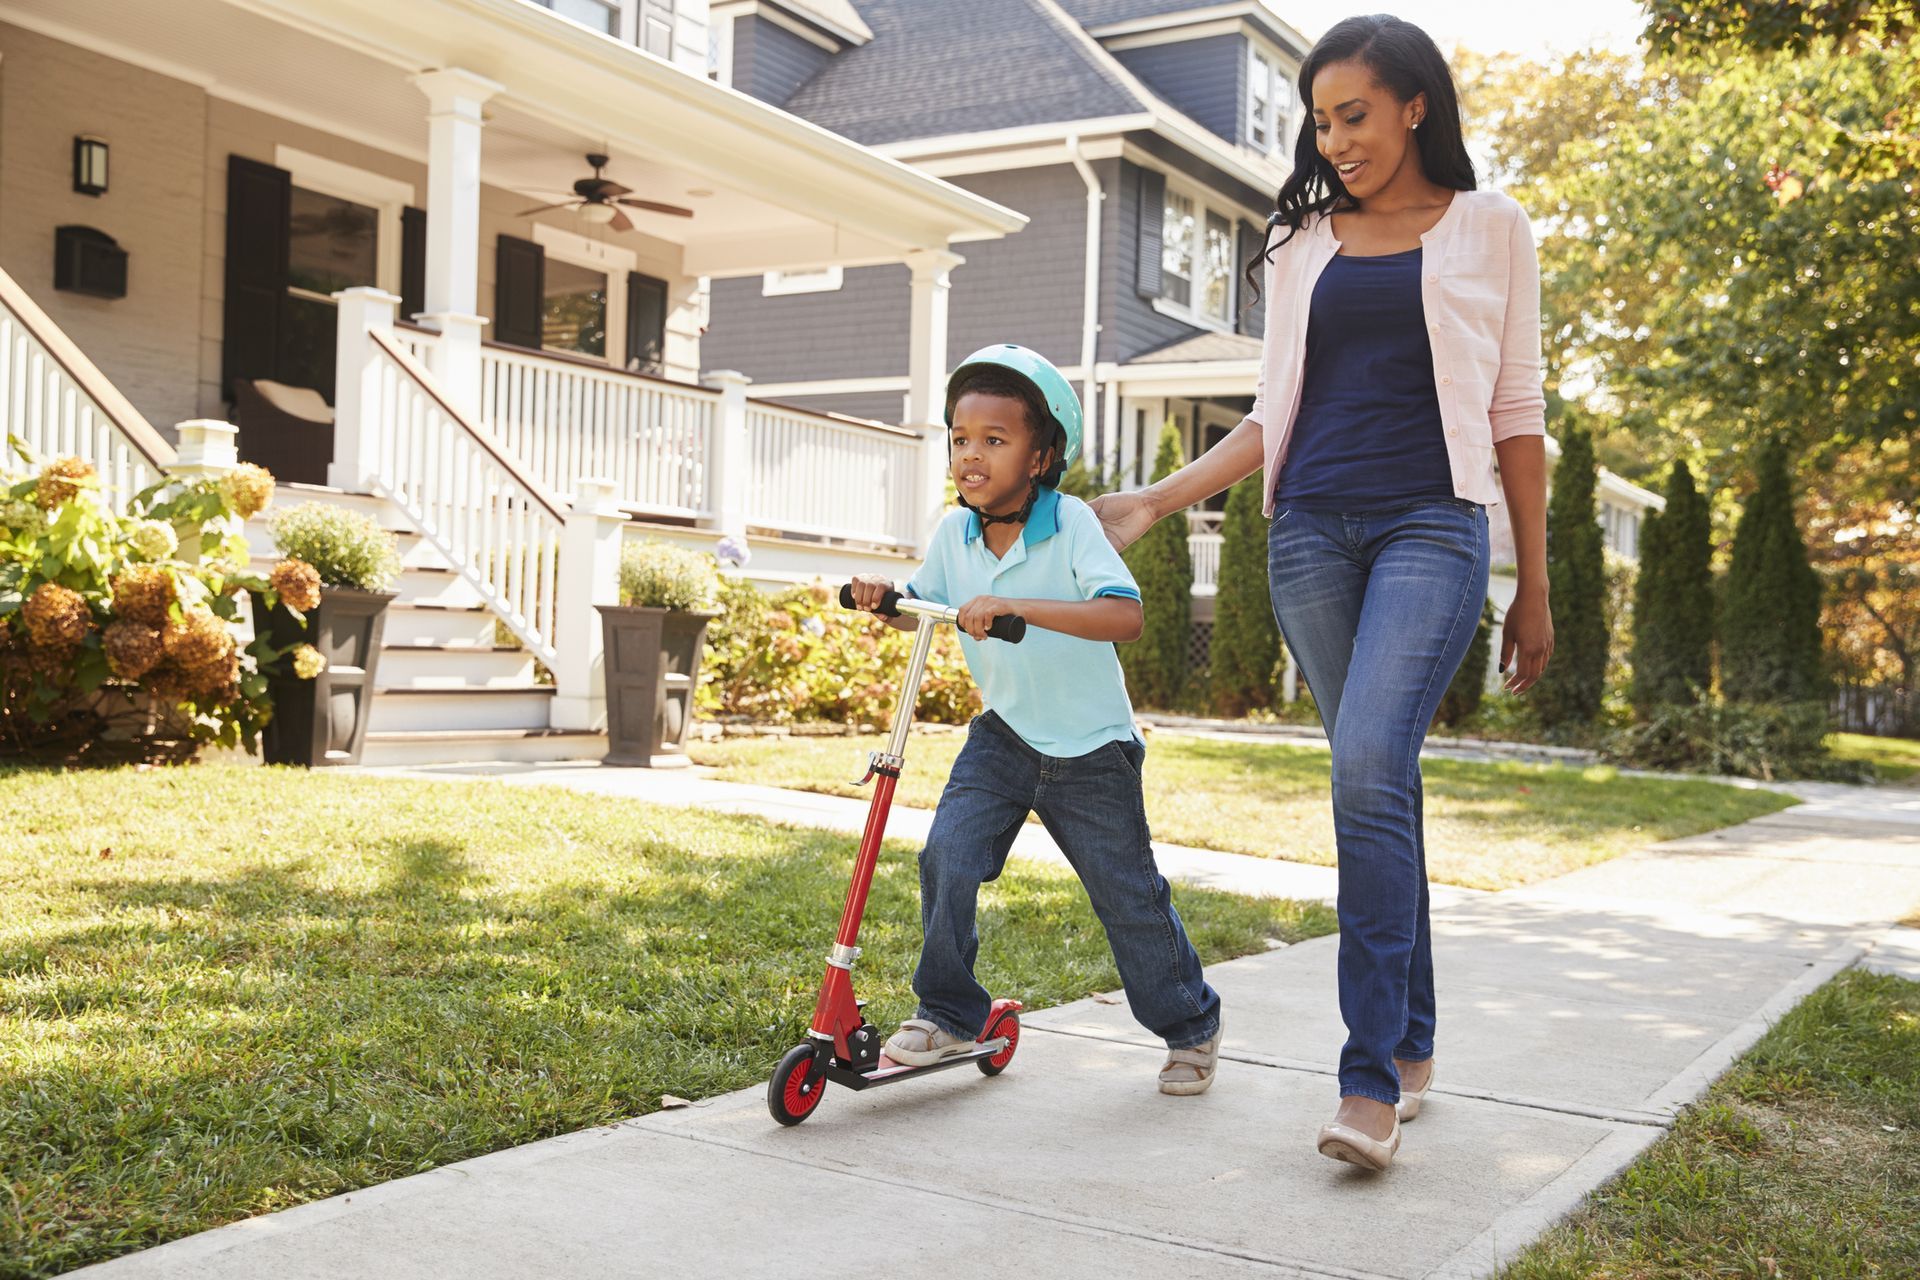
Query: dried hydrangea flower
{"x": 298, "y": 584}
{"x": 142, "y": 593}
{"x": 61, "y": 481}
{"x": 308, "y": 661}
{"x": 133, "y": 649}
{"x": 56, "y": 617}
{"x": 197, "y": 642}
{"x": 21, "y": 515}
{"x": 153, "y": 539}
{"x": 247, "y": 489}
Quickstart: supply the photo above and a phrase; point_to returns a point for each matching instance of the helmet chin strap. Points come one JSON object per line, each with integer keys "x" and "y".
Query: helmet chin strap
{"x": 1018, "y": 517}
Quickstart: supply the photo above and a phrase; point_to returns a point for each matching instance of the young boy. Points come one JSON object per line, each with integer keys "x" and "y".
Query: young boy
{"x": 1057, "y": 737}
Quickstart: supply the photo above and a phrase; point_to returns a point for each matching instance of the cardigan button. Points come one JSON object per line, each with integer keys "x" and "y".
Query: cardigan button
{"x": 1433, "y": 279}
{"x": 1446, "y": 380}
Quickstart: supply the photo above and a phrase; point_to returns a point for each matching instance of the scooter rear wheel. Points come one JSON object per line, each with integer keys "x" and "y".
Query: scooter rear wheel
{"x": 1008, "y": 1026}
{"x": 789, "y": 1097}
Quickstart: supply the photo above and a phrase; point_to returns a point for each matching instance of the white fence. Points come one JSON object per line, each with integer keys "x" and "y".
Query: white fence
{"x": 833, "y": 478}
{"x": 59, "y": 404}
{"x": 495, "y": 523}
{"x": 564, "y": 419}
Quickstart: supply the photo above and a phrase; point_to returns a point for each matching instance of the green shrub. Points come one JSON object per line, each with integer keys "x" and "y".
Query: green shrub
{"x": 1156, "y": 663}
{"x": 659, "y": 575}
{"x": 347, "y": 549}
{"x": 1469, "y": 685}
{"x": 1673, "y": 601}
{"x": 1764, "y": 740}
{"x": 1246, "y": 641}
{"x": 798, "y": 656}
{"x": 1567, "y": 697}
{"x": 1770, "y": 629}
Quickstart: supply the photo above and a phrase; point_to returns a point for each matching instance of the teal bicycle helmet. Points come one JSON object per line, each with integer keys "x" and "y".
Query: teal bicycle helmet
{"x": 1038, "y": 372}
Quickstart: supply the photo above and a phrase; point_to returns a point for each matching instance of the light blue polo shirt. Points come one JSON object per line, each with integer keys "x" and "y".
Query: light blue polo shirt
{"x": 1063, "y": 695}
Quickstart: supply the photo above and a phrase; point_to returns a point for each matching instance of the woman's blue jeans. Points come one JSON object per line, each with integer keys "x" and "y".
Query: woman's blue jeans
{"x": 1378, "y": 608}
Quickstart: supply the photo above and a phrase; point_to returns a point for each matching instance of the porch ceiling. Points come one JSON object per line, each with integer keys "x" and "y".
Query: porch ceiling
{"x": 783, "y": 194}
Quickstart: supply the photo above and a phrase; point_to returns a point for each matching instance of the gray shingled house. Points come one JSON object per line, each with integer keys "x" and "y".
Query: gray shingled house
{"x": 1142, "y": 138}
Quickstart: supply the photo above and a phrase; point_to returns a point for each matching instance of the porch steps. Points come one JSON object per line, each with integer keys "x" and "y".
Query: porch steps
{"x": 449, "y": 691}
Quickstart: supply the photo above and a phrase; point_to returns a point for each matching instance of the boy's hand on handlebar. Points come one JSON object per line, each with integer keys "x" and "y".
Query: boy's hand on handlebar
{"x": 869, "y": 589}
{"x": 977, "y": 614}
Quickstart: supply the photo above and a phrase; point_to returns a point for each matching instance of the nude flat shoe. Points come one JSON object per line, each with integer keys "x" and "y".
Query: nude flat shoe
{"x": 1344, "y": 1142}
{"x": 1410, "y": 1099}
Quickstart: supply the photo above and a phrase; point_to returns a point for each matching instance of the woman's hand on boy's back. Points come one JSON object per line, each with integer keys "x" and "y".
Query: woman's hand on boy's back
{"x": 1124, "y": 517}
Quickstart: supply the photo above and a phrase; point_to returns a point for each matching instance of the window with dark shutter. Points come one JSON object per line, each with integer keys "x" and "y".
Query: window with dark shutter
{"x": 413, "y": 262}
{"x": 519, "y": 292}
{"x": 1251, "y": 320}
{"x": 259, "y": 199}
{"x": 646, "y": 323}
{"x": 1147, "y": 250}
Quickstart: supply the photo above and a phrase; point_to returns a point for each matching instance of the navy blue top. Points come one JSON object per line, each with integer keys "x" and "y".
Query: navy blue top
{"x": 1368, "y": 435}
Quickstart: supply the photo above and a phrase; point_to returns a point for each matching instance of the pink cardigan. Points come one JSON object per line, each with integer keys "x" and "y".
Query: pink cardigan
{"x": 1482, "y": 300}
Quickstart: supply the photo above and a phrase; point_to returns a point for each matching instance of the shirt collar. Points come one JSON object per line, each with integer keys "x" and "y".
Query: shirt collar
{"x": 1042, "y": 522}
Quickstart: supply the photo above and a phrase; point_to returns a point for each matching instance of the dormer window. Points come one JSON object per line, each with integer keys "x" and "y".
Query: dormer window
{"x": 1270, "y": 103}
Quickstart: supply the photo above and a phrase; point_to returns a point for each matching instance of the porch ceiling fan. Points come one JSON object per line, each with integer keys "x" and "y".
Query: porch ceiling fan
{"x": 599, "y": 199}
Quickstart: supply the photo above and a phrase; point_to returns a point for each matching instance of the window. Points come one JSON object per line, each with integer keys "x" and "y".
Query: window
{"x": 573, "y": 316}
{"x": 1216, "y": 270}
{"x": 1270, "y": 104}
{"x": 776, "y": 284}
{"x": 1177, "y": 249}
{"x": 601, "y": 15}
{"x": 333, "y": 243}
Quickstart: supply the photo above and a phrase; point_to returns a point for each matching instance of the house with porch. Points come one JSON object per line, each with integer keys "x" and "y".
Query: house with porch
{"x": 1144, "y": 140}
{"x": 448, "y": 262}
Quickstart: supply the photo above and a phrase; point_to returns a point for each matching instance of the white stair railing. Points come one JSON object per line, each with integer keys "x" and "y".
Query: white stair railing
{"x": 60, "y": 404}
{"x": 497, "y": 525}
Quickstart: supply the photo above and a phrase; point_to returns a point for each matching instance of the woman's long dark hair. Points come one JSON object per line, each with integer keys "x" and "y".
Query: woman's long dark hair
{"x": 1404, "y": 60}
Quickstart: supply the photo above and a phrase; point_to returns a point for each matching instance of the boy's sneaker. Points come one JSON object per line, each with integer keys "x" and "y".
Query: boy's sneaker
{"x": 919, "y": 1043}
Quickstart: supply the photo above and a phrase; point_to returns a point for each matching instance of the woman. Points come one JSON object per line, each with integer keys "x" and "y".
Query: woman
{"x": 1402, "y": 356}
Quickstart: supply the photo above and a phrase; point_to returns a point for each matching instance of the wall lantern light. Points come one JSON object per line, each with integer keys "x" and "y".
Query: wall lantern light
{"x": 89, "y": 165}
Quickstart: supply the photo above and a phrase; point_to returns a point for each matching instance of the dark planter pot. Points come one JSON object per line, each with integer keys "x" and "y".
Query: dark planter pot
{"x": 323, "y": 721}
{"x": 653, "y": 664}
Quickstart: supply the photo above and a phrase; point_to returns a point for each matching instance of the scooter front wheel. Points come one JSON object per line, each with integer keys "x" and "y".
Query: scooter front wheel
{"x": 791, "y": 1097}
{"x": 1008, "y": 1026}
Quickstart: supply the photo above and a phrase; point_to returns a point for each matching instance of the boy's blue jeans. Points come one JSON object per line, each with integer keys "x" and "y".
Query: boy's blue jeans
{"x": 1378, "y": 608}
{"x": 1093, "y": 808}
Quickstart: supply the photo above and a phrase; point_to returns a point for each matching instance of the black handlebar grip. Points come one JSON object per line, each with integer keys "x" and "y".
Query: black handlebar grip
{"x": 889, "y": 603}
{"x": 1010, "y": 627}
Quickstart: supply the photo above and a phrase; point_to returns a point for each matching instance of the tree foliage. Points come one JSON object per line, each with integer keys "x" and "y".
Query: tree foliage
{"x": 1246, "y": 640}
{"x": 1568, "y": 695}
{"x": 1673, "y": 600}
{"x": 1770, "y": 632}
{"x": 1156, "y": 663}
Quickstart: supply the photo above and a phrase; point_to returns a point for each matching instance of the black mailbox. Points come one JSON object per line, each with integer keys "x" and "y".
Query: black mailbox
{"x": 89, "y": 261}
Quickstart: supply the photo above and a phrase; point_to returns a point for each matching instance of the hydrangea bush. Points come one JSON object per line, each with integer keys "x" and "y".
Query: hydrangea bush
{"x": 118, "y": 631}
{"x": 798, "y": 656}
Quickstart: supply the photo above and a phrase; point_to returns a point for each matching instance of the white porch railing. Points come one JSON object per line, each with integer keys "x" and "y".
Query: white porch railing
{"x": 497, "y": 525}
{"x": 1203, "y": 544}
{"x": 567, "y": 418}
{"x": 61, "y": 405}
{"x": 833, "y": 477}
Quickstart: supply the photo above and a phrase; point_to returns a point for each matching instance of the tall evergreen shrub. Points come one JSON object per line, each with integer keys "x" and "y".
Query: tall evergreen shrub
{"x": 1770, "y": 631}
{"x": 1673, "y": 601}
{"x": 1156, "y": 663}
{"x": 1568, "y": 695}
{"x": 1246, "y": 641}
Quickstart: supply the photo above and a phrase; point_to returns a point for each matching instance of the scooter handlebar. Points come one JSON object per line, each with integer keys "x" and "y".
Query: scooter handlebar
{"x": 1010, "y": 627}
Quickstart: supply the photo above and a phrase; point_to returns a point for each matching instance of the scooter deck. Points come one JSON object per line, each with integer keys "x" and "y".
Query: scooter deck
{"x": 900, "y": 1071}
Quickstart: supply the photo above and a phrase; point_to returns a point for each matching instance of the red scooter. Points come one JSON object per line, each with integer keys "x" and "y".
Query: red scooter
{"x": 841, "y": 1045}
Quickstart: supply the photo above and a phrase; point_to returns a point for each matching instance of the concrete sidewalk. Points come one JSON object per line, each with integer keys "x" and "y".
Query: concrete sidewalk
{"x": 1576, "y": 1017}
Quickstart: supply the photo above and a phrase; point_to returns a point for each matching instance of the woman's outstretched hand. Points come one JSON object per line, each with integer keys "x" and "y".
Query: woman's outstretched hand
{"x": 1526, "y": 641}
{"x": 1124, "y": 517}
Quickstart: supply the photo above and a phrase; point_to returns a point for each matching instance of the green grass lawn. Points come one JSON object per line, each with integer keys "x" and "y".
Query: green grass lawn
{"x": 1894, "y": 759}
{"x": 1804, "y": 1161}
{"x": 224, "y": 991}
{"x": 1489, "y": 826}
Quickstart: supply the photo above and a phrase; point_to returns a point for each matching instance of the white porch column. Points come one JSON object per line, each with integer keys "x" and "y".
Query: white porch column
{"x": 730, "y": 454}
{"x": 589, "y": 576}
{"x": 363, "y": 309}
{"x": 454, "y": 122}
{"x": 926, "y": 374}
